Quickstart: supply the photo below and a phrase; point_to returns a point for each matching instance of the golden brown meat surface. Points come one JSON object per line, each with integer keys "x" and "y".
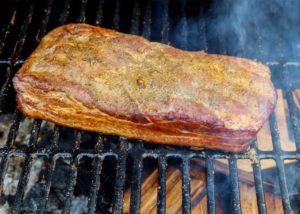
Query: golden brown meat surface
{"x": 101, "y": 80}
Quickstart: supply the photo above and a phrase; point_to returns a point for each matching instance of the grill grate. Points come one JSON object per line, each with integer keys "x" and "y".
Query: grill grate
{"x": 141, "y": 23}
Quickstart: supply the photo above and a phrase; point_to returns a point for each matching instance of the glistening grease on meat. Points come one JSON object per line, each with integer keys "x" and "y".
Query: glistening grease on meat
{"x": 101, "y": 80}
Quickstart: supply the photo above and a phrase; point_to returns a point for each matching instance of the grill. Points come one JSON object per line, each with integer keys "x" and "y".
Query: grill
{"x": 23, "y": 24}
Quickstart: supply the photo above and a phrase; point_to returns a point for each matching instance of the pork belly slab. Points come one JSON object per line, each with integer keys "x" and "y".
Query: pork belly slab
{"x": 101, "y": 80}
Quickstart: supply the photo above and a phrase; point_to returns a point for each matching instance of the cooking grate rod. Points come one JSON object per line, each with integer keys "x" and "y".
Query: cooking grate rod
{"x": 74, "y": 164}
{"x": 161, "y": 193}
{"x": 82, "y": 16}
{"x": 261, "y": 203}
{"x": 184, "y": 30}
{"x": 135, "y": 18}
{"x": 116, "y": 19}
{"x": 97, "y": 167}
{"x": 7, "y": 30}
{"x": 234, "y": 184}
{"x": 18, "y": 47}
{"x": 99, "y": 14}
{"x": 49, "y": 172}
{"x": 65, "y": 13}
{"x": 165, "y": 23}
{"x": 135, "y": 198}
{"x": 294, "y": 118}
{"x": 279, "y": 163}
{"x": 150, "y": 153}
{"x": 120, "y": 177}
{"x": 147, "y": 21}
{"x": 186, "y": 189}
{"x": 210, "y": 184}
{"x": 42, "y": 30}
{"x": 202, "y": 29}
{"x": 27, "y": 165}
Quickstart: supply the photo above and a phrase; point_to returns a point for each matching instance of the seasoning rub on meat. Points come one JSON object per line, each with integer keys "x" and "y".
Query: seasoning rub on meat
{"x": 101, "y": 80}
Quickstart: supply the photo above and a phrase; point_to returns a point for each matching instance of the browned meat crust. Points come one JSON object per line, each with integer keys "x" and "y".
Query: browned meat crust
{"x": 101, "y": 80}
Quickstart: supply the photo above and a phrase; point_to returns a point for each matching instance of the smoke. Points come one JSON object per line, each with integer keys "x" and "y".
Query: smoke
{"x": 264, "y": 30}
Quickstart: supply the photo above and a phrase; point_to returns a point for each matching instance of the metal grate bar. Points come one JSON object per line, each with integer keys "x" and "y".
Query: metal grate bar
{"x": 186, "y": 189}
{"x": 184, "y": 26}
{"x": 202, "y": 29}
{"x": 261, "y": 203}
{"x": 70, "y": 185}
{"x": 8, "y": 29}
{"x": 135, "y": 22}
{"x": 116, "y": 19}
{"x": 65, "y": 13}
{"x": 135, "y": 198}
{"x": 82, "y": 17}
{"x": 46, "y": 187}
{"x": 147, "y": 21}
{"x": 50, "y": 170}
{"x": 73, "y": 172}
{"x": 234, "y": 185}
{"x": 99, "y": 15}
{"x": 161, "y": 193}
{"x": 77, "y": 140}
{"x": 14, "y": 129}
{"x": 279, "y": 164}
{"x": 27, "y": 165}
{"x": 10, "y": 62}
{"x": 5, "y": 61}
{"x": 16, "y": 52}
{"x": 99, "y": 145}
{"x": 114, "y": 151}
{"x": 54, "y": 145}
{"x": 210, "y": 185}
{"x": 45, "y": 20}
{"x": 165, "y": 22}
{"x": 120, "y": 177}
{"x": 97, "y": 166}
{"x": 283, "y": 186}
{"x": 223, "y": 41}
{"x": 22, "y": 36}
{"x": 293, "y": 110}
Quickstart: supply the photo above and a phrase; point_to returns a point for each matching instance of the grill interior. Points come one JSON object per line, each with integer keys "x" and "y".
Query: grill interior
{"x": 102, "y": 167}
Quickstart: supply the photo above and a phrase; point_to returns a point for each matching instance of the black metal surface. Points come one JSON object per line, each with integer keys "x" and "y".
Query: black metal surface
{"x": 141, "y": 22}
{"x": 161, "y": 196}
{"x": 210, "y": 179}
{"x": 280, "y": 166}
{"x": 234, "y": 183}
{"x": 186, "y": 189}
{"x": 261, "y": 203}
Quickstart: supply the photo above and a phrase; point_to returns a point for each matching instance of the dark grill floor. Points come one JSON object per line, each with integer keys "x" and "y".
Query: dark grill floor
{"x": 80, "y": 158}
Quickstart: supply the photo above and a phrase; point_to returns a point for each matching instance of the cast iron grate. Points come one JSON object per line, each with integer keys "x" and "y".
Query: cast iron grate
{"x": 23, "y": 23}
